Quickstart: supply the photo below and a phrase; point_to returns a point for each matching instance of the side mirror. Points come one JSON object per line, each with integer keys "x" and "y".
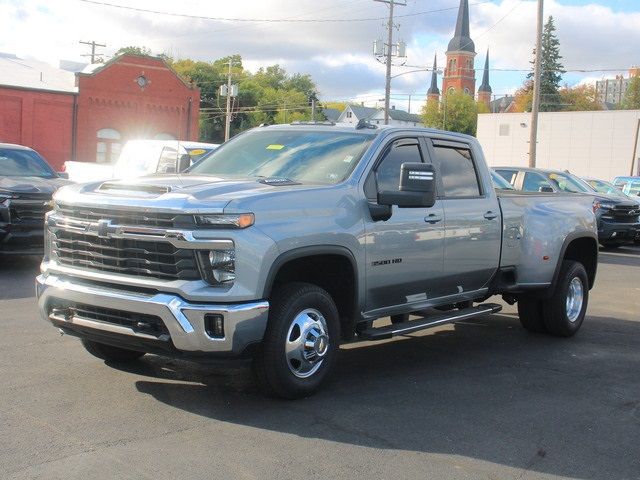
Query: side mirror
{"x": 64, "y": 175}
{"x": 184, "y": 162}
{"x": 417, "y": 187}
{"x": 544, "y": 189}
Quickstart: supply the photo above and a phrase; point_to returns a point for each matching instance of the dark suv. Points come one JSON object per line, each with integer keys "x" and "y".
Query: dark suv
{"x": 27, "y": 183}
{"x": 618, "y": 216}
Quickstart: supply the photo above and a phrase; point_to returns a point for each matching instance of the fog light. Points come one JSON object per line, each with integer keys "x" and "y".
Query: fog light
{"x": 614, "y": 234}
{"x": 214, "y": 325}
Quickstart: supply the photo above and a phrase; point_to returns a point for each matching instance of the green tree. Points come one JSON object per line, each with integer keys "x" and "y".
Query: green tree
{"x": 551, "y": 71}
{"x": 580, "y": 98}
{"x": 631, "y": 100}
{"x": 457, "y": 113}
{"x": 133, "y": 50}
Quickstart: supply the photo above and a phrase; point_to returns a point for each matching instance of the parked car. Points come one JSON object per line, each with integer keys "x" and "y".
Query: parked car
{"x": 142, "y": 157}
{"x": 291, "y": 239}
{"x": 27, "y": 183}
{"x": 603, "y": 186}
{"x": 628, "y": 185}
{"x": 618, "y": 217}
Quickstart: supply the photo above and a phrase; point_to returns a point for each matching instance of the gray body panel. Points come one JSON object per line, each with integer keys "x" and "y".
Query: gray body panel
{"x": 401, "y": 265}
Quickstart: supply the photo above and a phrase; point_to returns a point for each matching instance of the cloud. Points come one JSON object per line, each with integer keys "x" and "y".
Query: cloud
{"x": 336, "y": 54}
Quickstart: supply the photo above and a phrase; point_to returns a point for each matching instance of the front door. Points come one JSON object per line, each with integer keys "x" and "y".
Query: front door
{"x": 404, "y": 253}
{"x": 473, "y": 222}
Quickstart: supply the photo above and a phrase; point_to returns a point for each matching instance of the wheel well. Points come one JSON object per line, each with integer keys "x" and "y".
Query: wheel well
{"x": 331, "y": 272}
{"x": 585, "y": 251}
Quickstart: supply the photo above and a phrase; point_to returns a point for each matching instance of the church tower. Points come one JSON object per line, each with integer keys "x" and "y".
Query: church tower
{"x": 484, "y": 92}
{"x": 434, "y": 93}
{"x": 459, "y": 73}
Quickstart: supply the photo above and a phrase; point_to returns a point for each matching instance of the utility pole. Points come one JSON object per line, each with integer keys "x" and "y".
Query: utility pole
{"x": 93, "y": 49}
{"x": 388, "y": 53}
{"x": 227, "y": 123}
{"x": 533, "y": 138}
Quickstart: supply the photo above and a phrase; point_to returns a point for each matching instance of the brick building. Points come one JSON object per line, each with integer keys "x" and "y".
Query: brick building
{"x": 87, "y": 116}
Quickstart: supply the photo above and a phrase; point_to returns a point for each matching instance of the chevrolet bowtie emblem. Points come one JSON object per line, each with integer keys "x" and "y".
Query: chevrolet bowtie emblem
{"x": 104, "y": 228}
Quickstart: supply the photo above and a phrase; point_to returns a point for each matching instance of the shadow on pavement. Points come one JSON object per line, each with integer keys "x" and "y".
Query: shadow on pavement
{"x": 17, "y": 276}
{"x": 488, "y": 390}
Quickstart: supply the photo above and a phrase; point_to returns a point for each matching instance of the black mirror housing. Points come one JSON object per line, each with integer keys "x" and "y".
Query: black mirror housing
{"x": 417, "y": 187}
{"x": 544, "y": 189}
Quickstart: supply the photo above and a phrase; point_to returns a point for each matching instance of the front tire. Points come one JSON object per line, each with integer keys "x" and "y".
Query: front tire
{"x": 564, "y": 312}
{"x": 110, "y": 353}
{"x": 300, "y": 343}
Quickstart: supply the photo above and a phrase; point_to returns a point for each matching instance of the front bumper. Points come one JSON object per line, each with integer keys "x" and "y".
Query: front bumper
{"x": 244, "y": 323}
{"x": 618, "y": 231}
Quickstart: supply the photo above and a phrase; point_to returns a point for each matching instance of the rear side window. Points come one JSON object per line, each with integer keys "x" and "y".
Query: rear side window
{"x": 457, "y": 172}
{"x": 508, "y": 175}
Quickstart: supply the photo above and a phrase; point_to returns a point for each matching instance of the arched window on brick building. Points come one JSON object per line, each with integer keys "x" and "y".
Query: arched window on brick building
{"x": 108, "y": 146}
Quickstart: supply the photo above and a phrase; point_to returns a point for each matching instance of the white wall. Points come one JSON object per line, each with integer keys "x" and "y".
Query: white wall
{"x": 596, "y": 144}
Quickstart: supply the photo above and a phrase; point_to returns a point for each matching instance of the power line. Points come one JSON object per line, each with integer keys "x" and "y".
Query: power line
{"x": 268, "y": 20}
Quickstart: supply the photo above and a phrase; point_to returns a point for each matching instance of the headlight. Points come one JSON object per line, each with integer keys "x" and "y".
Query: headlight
{"x": 242, "y": 220}
{"x": 218, "y": 267}
{"x": 598, "y": 205}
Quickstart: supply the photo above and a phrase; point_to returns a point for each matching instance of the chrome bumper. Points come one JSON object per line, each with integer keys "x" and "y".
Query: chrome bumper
{"x": 244, "y": 323}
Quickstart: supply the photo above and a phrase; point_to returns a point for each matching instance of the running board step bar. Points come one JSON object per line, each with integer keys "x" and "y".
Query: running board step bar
{"x": 411, "y": 326}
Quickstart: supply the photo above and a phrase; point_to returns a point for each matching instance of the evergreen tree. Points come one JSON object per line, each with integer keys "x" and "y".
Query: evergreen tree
{"x": 552, "y": 70}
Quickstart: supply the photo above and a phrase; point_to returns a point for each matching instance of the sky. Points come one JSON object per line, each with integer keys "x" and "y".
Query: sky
{"x": 334, "y": 42}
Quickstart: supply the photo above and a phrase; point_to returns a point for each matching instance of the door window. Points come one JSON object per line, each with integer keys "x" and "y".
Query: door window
{"x": 508, "y": 175}
{"x": 457, "y": 172}
{"x": 168, "y": 162}
{"x": 533, "y": 182}
{"x": 387, "y": 175}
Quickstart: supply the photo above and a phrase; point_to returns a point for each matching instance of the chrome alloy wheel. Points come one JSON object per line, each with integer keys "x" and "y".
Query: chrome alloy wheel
{"x": 575, "y": 298}
{"x": 307, "y": 343}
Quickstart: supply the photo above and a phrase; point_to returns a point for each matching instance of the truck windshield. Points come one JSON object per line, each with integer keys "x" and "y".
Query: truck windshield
{"x": 305, "y": 156}
{"x": 23, "y": 163}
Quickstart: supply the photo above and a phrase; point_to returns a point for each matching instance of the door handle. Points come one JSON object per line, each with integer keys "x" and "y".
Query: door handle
{"x": 490, "y": 215}
{"x": 432, "y": 218}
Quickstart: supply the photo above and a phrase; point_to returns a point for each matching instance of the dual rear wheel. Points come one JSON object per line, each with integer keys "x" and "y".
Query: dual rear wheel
{"x": 563, "y": 312}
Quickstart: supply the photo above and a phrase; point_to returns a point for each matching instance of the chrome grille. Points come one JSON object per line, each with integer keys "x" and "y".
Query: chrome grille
{"x": 125, "y": 256}
{"x": 29, "y": 208}
{"x": 124, "y": 217}
{"x": 625, "y": 213}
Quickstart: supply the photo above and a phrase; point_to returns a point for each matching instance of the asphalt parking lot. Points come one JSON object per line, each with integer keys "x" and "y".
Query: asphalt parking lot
{"x": 471, "y": 400}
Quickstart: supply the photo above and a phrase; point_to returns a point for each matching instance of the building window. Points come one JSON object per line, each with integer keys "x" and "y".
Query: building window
{"x": 108, "y": 145}
{"x": 466, "y": 90}
{"x": 164, "y": 136}
{"x": 349, "y": 114}
{"x": 451, "y": 90}
{"x": 503, "y": 130}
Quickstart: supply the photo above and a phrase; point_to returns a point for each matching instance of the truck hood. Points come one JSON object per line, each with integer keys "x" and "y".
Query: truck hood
{"x": 27, "y": 185}
{"x": 187, "y": 193}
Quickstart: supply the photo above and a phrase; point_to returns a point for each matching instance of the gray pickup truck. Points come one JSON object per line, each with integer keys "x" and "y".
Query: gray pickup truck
{"x": 290, "y": 240}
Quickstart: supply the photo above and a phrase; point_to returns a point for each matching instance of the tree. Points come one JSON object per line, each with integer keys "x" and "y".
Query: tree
{"x": 457, "y": 113}
{"x": 631, "y": 100}
{"x": 133, "y": 50}
{"x": 551, "y": 69}
{"x": 523, "y": 98}
{"x": 580, "y": 98}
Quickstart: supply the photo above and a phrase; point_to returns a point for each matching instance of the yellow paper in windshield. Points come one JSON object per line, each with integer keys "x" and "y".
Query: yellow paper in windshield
{"x": 275, "y": 147}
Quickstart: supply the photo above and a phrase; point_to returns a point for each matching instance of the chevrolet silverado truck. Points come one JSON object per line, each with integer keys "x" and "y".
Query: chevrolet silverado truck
{"x": 292, "y": 239}
{"x": 27, "y": 183}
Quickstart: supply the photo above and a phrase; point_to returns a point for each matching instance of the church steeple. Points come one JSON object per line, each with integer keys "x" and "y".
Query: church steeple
{"x": 484, "y": 92}
{"x": 434, "y": 93}
{"x": 485, "y": 87}
{"x": 461, "y": 41}
{"x": 459, "y": 74}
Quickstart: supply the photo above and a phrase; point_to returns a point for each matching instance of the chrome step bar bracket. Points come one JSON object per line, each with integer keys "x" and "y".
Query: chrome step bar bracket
{"x": 389, "y": 331}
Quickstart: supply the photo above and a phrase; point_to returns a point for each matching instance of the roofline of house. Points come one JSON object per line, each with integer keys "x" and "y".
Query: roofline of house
{"x": 34, "y": 89}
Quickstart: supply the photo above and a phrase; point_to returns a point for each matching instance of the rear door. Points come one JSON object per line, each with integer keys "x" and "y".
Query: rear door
{"x": 472, "y": 218}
